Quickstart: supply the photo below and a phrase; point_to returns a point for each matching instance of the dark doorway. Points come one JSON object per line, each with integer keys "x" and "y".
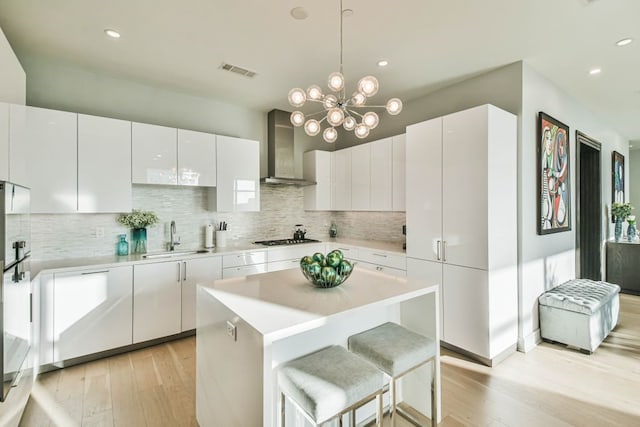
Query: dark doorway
{"x": 589, "y": 212}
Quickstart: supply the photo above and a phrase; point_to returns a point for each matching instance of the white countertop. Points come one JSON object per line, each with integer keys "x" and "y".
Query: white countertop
{"x": 284, "y": 303}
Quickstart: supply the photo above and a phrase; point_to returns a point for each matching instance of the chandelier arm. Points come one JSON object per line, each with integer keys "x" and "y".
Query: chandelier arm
{"x": 367, "y": 106}
{"x": 355, "y": 113}
{"x": 318, "y": 112}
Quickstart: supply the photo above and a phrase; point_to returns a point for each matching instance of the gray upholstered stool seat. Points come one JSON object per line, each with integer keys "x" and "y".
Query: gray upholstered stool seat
{"x": 579, "y": 312}
{"x": 396, "y": 350}
{"x": 328, "y": 383}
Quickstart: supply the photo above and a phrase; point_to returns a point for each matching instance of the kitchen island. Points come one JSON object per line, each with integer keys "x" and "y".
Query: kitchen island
{"x": 247, "y": 326}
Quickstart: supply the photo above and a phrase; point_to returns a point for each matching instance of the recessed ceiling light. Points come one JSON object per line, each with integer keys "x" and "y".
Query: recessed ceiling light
{"x": 383, "y": 63}
{"x": 299, "y": 13}
{"x": 595, "y": 71}
{"x": 112, "y": 33}
{"x": 624, "y": 42}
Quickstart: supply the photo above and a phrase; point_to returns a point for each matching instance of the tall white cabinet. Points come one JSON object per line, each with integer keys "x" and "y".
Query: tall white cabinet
{"x": 462, "y": 224}
{"x": 4, "y": 141}
{"x": 316, "y": 166}
{"x": 238, "y": 176}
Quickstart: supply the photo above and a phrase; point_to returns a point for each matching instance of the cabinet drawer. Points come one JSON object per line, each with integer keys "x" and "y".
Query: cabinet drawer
{"x": 381, "y": 269}
{"x": 245, "y": 258}
{"x": 243, "y": 270}
{"x": 383, "y": 258}
{"x": 297, "y": 252}
{"x": 283, "y": 265}
{"x": 349, "y": 252}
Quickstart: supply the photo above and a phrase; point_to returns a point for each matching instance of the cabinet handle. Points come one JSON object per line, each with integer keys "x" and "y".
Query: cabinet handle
{"x": 444, "y": 250}
{"x": 381, "y": 255}
{"x": 85, "y": 273}
{"x": 379, "y": 268}
{"x": 184, "y": 275}
{"x": 178, "y": 264}
{"x": 438, "y": 249}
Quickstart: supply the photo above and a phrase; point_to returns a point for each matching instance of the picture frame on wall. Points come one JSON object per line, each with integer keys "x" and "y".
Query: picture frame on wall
{"x": 553, "y": 170}
{"x": 617, "y": 179}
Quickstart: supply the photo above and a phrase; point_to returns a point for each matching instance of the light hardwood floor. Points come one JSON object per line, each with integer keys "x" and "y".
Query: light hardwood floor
{"x": 549, "y": 386}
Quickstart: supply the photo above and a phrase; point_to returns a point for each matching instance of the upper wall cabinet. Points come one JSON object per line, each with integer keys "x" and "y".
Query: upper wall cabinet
{"x": 196, "y": 158}
{"x": 238, "y": 182}
{"x": 399, "y": 179}
{"x": 382, "y": 175}
{"x": 361, "y": 177}
{"x": 48, "y": 139}
{"x": 317, "y": 167}
{"x": 104, "y": 164}
{"x": 341, "y": 176}
{"x": 4, "y": 141}
{"x": 154, "y": 154}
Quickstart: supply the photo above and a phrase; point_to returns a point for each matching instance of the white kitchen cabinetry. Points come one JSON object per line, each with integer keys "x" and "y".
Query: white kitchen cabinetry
{"x": 341, "y": 185}
{"x": 104, "y": 164}
{"x": 381, "y": 173}
{"x": 399, "y": 173}
{"x": 52, "y": 143}
{"x": 196, "y": 158}
{"x": 361, "y": 177}
{"x": 196, "y": 271}
{"x": 382, "y": 261}
{"x": 157, "y": 296}
{"x": 154, "y": 154}
{"x": 4, "y": 141}
{"x": 462, "y": 212}
{"x": 242, "y": 264}
{"x": 289, "y": 257}
{"x": 238, "y": 180}
{"x": 91, "y": 311}
{"x": 317, "y": 167}
{"x": 19, "y": 151}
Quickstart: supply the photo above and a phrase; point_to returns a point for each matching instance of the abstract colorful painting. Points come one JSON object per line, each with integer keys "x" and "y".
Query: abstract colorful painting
{"x": 617, "y": 179}
{"x": 554, "y": 194}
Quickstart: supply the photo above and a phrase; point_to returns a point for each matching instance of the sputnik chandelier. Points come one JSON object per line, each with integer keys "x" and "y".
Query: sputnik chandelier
{"x": 340, "y": 109}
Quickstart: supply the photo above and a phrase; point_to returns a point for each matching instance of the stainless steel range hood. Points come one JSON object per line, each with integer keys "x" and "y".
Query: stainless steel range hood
{"x": 280, "y": 143}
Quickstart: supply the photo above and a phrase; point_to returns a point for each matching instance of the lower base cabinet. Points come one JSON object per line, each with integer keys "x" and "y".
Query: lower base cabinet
{"x": 92, "y": 311}
{"x": 196, "y": 271}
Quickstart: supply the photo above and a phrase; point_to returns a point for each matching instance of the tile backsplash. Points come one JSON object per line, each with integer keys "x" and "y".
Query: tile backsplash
{"x": 59, "y": 236}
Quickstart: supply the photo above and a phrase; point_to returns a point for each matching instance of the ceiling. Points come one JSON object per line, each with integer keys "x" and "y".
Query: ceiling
{"x": 429, "y": 44}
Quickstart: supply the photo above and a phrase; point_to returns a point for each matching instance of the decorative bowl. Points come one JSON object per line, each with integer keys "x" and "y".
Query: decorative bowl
{"x": 326, "y": 271}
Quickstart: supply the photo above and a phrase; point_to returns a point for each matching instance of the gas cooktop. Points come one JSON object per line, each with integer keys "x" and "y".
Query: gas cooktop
{"x": 285, "y": 242}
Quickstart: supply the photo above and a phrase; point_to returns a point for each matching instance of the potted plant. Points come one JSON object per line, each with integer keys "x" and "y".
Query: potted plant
{"x": 138, "y": 221}
{"x": 620, "y": 212}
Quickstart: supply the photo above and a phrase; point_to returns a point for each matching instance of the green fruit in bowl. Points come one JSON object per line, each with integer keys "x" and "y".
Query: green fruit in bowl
{"x": 306, "y": 260}
{"x": 319, "y": 257}
{"x": 328, "y": 275}
{"x": 334, "y": 258}
{"x": 314, "y": 268}
{"x": 344, "y": 268}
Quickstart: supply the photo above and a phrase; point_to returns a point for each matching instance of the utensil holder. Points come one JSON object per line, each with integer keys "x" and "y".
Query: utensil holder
{"x": 221, "y": 238}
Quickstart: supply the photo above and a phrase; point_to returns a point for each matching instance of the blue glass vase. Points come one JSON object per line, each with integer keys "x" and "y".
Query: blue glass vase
{"x": 618, "y": 229}
{"x": 632, "y": 232}
{"x": 123, "y": 246}
{"x": 139, "y": 241}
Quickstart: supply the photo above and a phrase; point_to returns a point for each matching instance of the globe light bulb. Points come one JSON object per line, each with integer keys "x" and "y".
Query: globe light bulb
{"x": 297, "y": 118}
{"x": 335, "y": 116}
{"x": 394, "y": 106}
{"x": 312, "y": 127}
{"x": 361, "y": 131}
{"x": 314, "y": 92}
{"x": 336, "y": 81}
{"x": 368, "y": 86}
{"x": 358, "y": 99}
{"x": 349, "y": 123}
{"x": 330, "y": 134}
{"x": 297, "y": 97}
{"x": 330, "y": 101}
{"x": 370, "y": 120}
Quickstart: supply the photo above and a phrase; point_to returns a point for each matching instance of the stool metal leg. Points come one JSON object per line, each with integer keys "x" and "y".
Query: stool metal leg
{"x": 283, "y": 401}
{"x": 379, "y": 410}
{"x": 392, "y": 402}
{"x": 434, "y": 403}
{"x": 352, "y": 418}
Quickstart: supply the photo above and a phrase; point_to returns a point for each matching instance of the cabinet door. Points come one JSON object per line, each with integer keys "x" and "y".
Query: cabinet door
{"x": 381, "y": 174}
{"x": 244, "y": 271}
{"x": 92, "y": 311}
{"x": 238, "y": 184}
{"x": 361, "y": 177}
{"x": 317, "y": 167}
{"x": 195, "y": 271}
{"x": 104, "y": 164}
{"x": 53, "y": 160}
{"x": 19, "y": 150}
{"x": 399, "y": 173}
{"x": 154, "y": 154}
{"x": 424, "y": 190}
{"x": 382, "y": 269}
{"x": 341, "y": 173}
{"x": 157, "y": 295}
{"x": 4, "y": 141}
{"x": 464, "y": 188}
{"x": 196, "y": 158}
{"x": 430, "y": 271}
{"x": 466, "y": 309}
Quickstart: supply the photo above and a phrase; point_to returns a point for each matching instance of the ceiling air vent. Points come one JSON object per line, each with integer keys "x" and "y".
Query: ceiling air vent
{"x": 237, "y": 70}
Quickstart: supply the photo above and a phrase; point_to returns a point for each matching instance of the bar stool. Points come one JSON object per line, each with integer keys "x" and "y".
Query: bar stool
{"x": 396, "y": 351}
{"x": 328, "y": 384}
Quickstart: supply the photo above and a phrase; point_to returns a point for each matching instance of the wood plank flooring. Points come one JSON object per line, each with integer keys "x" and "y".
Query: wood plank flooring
{"x": 549, "y": 386}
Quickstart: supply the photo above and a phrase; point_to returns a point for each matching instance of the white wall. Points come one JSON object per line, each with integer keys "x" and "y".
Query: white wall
{"x": 546, "y": 261}
{"x": 13, "y": 80}
{"x": 633, "y": 166}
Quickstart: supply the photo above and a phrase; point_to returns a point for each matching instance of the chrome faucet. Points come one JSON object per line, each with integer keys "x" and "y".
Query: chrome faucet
{"x": 172, "y": 233}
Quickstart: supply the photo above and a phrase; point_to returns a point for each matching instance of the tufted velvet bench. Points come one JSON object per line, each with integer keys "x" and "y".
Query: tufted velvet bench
{"x": 579, "y": 313}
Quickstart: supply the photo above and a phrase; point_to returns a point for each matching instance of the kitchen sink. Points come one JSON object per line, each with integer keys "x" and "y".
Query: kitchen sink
{"x": 172, "y": 254}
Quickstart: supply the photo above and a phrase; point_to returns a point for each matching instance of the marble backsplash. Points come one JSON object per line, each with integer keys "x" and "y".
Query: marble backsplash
{"x": 59, "y": 236}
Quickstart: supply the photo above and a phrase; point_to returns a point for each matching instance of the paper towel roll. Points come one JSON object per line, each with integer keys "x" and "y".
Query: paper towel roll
{"x": 208, "y": 240}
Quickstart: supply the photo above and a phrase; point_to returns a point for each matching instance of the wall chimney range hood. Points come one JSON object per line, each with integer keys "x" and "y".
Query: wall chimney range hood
{"x": 280, "y": 142}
